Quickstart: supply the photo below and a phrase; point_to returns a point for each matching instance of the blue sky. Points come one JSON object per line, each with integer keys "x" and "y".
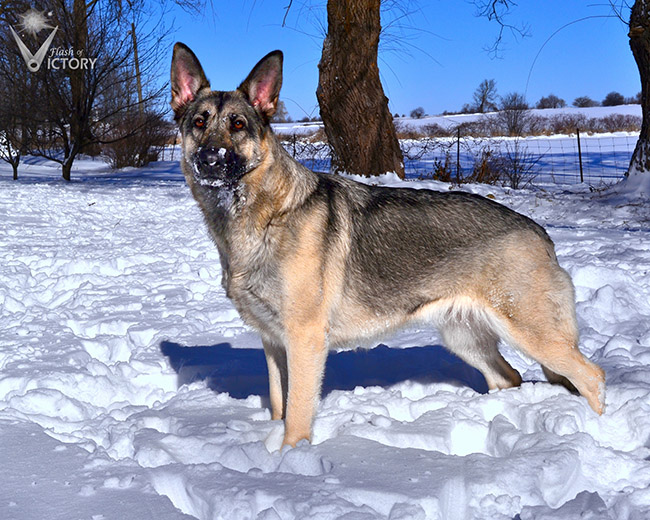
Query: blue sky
{"x": 435, "y": 60}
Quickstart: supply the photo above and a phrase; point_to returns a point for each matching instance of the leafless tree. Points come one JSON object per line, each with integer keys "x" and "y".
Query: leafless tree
{"x": 12, "y": 143}
{"x": 514, "y": 114}
{"x": 497, "y": 11}
{"x": 74, "y": 108}
{"x": 613, "y": 99}
{"x": 417, "y": 113}
{"x": 584, "y": 102}
{"x": 639, "y": 35}
{"x": 15, "y": 104}
{"x": 353, "y": 106}
{"x": 281, "y": 114}
{"x": 350, "y": 93}
{"x": 550, "y": 101}
{"x": 485, "y": 96}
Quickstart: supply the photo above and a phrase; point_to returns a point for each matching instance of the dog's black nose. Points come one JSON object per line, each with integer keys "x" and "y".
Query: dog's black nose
{"x": 212, "y": 157}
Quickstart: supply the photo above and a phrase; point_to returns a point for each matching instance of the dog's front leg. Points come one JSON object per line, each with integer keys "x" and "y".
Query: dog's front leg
{"x": 306, "y": 356}
{"x": 305, "y": 313}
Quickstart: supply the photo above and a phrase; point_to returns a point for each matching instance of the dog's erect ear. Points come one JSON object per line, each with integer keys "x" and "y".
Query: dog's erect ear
{"x": 187, "y": 78}
{"x": 262, "y": 86}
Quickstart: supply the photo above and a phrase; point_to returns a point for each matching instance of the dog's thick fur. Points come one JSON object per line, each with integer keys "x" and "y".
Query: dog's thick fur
{"x": 313, "y": 260}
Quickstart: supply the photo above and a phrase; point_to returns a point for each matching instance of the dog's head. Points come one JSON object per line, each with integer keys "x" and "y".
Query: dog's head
{"x": 223, "y": 132}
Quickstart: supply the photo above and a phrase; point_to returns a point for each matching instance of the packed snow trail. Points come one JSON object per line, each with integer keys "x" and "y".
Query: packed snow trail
{"x": 130, "y": 388}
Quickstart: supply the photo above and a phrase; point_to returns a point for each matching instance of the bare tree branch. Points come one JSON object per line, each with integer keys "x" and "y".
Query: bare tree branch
{"x": 497, "y": 11}
{"x": 286, "y": 12}
{"x": 618, "y": 8}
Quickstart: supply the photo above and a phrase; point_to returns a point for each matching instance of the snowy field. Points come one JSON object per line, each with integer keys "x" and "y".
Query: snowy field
{"x": 453, "y": 120}
{"x": 130, "y": 388}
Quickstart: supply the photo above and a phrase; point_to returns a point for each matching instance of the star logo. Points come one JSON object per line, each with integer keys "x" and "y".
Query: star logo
{"x": 33, "y": 22}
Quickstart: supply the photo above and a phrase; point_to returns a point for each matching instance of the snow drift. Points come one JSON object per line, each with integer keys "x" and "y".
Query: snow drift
{"x": 130, "y": 388}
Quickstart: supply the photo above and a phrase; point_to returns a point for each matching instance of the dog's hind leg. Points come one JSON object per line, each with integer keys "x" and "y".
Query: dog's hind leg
{"x": 543, "y": 326}
{"x": 562, "y": 361}
{"x": 557, "y": 379}
{"x": 276, "y": 362}
{"x": 471, "y": 339}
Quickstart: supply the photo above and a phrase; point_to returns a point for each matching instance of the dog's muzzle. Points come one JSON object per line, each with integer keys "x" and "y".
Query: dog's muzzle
{"x": 218, "y": 167}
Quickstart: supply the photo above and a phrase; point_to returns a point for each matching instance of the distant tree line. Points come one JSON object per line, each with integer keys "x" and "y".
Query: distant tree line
{"x": 486, "y": 99}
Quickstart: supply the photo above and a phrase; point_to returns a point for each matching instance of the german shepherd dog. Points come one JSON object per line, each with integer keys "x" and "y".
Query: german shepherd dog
{"x": 312, "y": 260}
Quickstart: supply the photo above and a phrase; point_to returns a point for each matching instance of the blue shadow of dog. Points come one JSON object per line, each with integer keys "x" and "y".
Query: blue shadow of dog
{"x": 242, "y": 372}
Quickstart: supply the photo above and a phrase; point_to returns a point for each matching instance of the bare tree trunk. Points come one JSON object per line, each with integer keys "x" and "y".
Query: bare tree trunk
{"x": 137, "y": 69}
{"x": 66, "y": 169}
{"x": 77, "y": 84}
{"x": 353, "y": 106}
{"x": 14, "y": 167}
{"x": 79, "y": 43}
{"x": 640, "y": 44}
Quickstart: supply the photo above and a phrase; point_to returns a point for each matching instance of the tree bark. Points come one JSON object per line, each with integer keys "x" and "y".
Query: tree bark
{"x": 77, "y": 86}
{"x": 66, "y": 169}
{"x": 138, "y": 79}
{"x": 640, "y": 44}
{"x": 14, "y": 166}
{"x": 353, "y": 106}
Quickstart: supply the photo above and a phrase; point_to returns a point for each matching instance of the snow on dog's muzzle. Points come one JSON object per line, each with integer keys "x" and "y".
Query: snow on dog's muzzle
{"x": 218, "y": 166}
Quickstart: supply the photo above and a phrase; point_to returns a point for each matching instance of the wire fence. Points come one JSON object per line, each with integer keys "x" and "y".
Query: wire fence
{"x": 594, "y": 159}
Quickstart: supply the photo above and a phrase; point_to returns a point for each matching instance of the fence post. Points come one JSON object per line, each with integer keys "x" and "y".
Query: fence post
{"x": 582, "y": 179}
{"x": 458, "y": 154}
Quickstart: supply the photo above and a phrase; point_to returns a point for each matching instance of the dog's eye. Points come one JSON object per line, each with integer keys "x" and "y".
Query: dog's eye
{"x": 238, "y": 124}
{"x": 199, "y": 122}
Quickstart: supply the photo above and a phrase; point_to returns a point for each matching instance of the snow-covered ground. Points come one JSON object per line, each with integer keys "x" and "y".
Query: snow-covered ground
{"x": 130, "y": 388}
